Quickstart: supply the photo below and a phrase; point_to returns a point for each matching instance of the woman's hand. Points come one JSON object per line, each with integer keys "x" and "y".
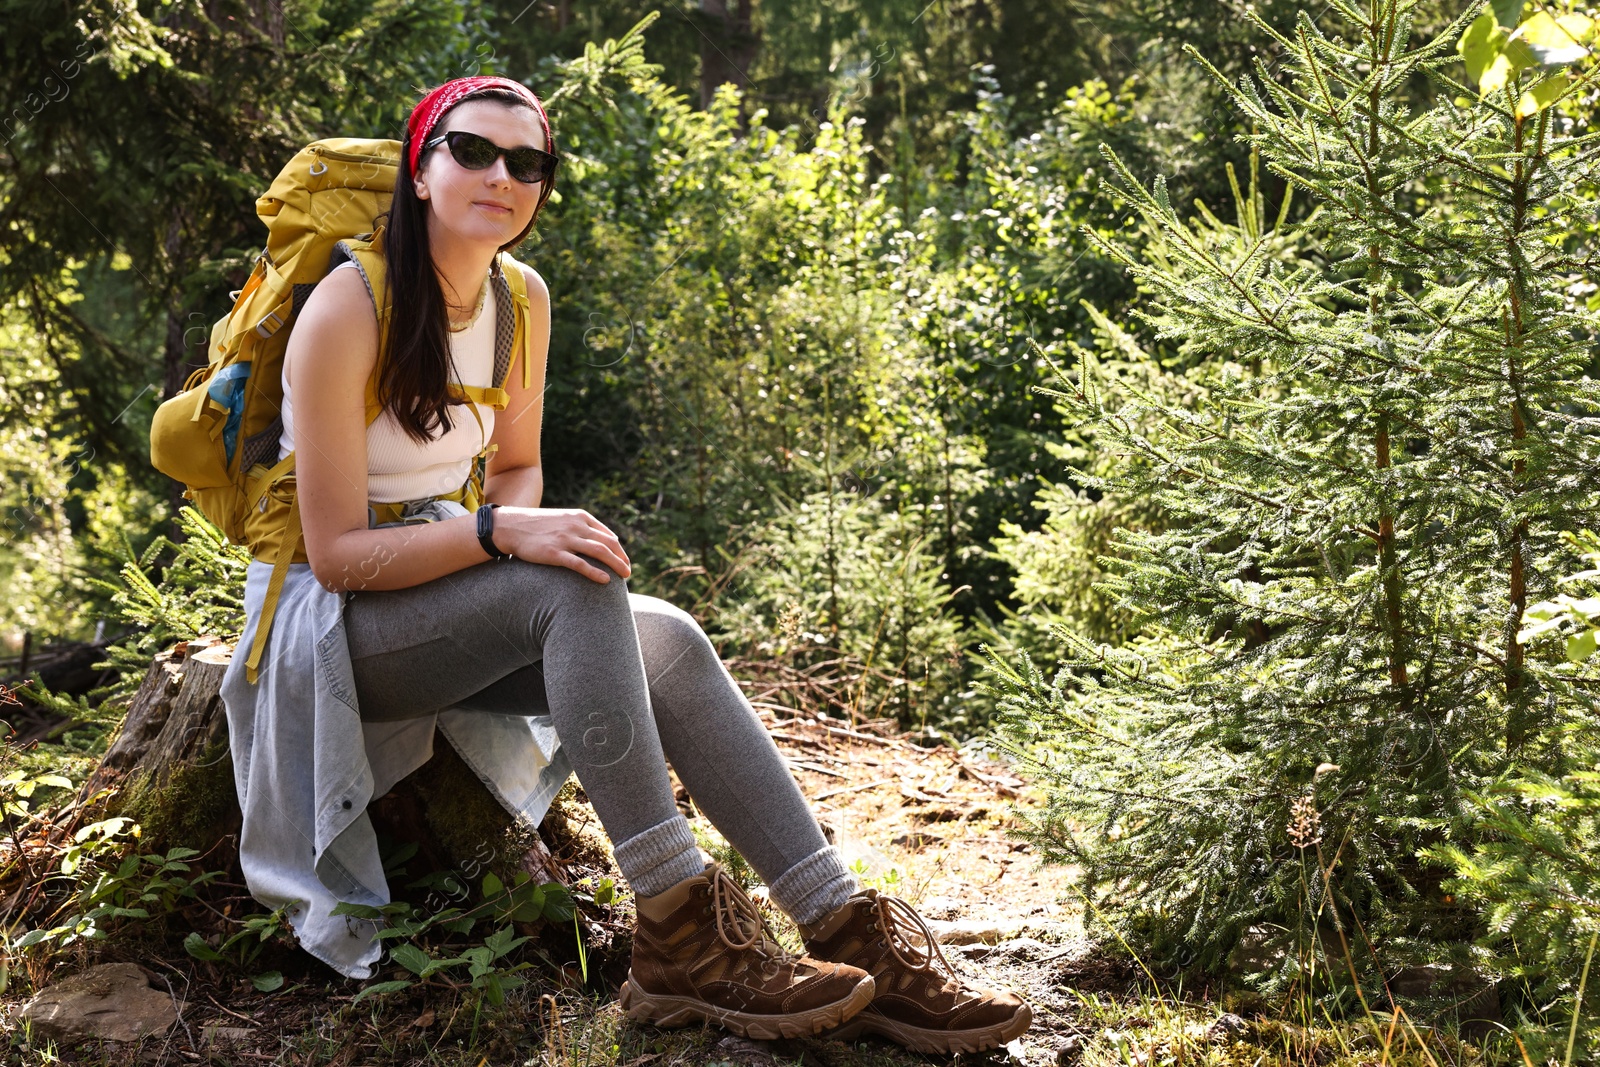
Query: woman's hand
{"x": 560, "y": 537}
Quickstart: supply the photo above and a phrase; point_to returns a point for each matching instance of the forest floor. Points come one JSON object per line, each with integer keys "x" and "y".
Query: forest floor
{"x": 925, "y": 821}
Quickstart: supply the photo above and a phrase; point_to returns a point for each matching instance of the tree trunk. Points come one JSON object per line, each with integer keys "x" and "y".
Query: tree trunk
{"x": 728, "y": 46}
{"x": 170, "y": 769}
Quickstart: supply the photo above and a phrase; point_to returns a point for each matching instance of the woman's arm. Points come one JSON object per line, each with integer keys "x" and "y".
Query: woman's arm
{"x": 330, "y": 356}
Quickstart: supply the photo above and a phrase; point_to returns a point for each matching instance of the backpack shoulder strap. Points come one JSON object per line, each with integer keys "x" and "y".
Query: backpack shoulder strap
{"x": 522, "y": 336}
{"x": 510, "y": 331}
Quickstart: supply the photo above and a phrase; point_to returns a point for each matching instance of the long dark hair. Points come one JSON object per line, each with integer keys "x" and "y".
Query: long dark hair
{"x": 415, "y": 358}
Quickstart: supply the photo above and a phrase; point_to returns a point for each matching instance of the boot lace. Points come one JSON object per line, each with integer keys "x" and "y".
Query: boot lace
{"x": 735, "y": 911}
{"x": 910, "y": 940}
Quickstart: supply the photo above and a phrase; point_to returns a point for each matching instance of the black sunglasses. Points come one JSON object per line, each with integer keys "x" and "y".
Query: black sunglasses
{"x": 527, "y": 165}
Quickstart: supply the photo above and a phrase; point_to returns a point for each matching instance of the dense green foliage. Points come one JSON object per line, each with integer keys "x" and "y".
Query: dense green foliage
{"x": 1373, "y": 429}
{"x": 763, "y": 331}
{"x": 1316, "y": 312}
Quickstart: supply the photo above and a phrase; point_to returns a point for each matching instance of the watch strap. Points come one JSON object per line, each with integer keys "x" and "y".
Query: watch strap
{"x": 486, "y": 532}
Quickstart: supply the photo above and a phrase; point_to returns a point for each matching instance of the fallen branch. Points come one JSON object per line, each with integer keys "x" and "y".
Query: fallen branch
{"x": 854, "y": 788}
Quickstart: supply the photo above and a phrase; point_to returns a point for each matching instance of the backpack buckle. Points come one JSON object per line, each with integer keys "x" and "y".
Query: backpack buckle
{"x": 264, "y": 330}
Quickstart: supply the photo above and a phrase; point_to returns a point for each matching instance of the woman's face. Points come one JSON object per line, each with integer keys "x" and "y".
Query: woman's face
{"x": 480, "y": 206}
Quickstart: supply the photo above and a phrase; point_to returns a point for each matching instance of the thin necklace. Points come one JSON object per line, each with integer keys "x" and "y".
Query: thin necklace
{"x": 476, "y": 311}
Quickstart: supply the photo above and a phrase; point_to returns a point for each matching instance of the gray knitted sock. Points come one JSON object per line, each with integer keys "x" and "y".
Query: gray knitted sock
{"x": 660, "y": 857}
{"x": 814, "y": 887}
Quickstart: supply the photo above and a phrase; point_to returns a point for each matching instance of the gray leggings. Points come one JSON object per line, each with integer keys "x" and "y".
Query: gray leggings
{"x": 630, "y": 682}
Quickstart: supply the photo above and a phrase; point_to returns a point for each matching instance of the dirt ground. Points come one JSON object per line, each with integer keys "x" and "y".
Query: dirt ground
{"x": 937, "y": 817}
{"x": 932, "y": 824}
{"x": 925, "y": 821}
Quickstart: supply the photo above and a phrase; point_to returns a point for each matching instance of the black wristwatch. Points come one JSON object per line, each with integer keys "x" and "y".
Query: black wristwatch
{"x": 486, "y": 532}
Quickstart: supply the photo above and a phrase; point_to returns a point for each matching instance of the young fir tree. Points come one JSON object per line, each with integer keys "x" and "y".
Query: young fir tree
{"x": 1395, "y": 430}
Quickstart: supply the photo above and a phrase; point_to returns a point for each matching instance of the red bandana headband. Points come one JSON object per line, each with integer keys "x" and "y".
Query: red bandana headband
{"x": 429, "y": 109}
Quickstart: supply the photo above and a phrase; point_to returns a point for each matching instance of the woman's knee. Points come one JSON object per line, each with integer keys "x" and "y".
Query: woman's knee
{"x": 547, "y": 583}
{"x": 668, "y": 635}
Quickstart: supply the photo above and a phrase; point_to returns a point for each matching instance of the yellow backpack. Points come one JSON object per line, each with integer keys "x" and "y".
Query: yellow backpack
{"x": 219, "y": 434}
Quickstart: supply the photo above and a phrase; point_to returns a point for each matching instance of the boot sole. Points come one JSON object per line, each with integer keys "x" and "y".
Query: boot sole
{"x": 946, "y": 1042}
{"x": 667, "y": 1010}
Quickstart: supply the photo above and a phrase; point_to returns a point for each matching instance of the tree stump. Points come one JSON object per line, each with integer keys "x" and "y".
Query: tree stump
{"x": 169, "y": 769}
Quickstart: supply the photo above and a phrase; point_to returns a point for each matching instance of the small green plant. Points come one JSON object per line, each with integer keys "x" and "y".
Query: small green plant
{"x": 199, "y": 590}
{"x": 139, "y": 884}
{"x": 16, "y": 798}
{"x": 97, "y": 896}
{"x": 891, "y": 881}
{"x": 247, "y": 943}
{"x": 725, "y": 855}
{"x": 522, "y": 901}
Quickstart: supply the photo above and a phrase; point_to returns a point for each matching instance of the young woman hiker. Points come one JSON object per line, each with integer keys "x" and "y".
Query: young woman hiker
{"x": 522, "y": 610}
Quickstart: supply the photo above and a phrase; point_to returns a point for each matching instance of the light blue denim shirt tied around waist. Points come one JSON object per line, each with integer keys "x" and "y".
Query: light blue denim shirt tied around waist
{"x": 305, "y": 766}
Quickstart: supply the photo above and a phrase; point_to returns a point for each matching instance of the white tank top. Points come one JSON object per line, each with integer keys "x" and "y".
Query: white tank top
{"x": 399, "y": 467}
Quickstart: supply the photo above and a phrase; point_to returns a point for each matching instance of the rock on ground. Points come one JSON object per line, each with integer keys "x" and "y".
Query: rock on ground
{"x": 973, "y": 931}
{"x": 216, "y": 1034}
{"x": 743, "y": 1052}
{"x": 113, "y": 1002}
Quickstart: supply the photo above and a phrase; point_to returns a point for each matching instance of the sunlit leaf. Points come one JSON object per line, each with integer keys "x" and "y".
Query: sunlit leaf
{"x": 1495, "y": 75}
{"x": 1481, "y": 44}
{"x": 1550, "y": 43}
{"x": 106, "y": 829}
{"x": 1541, "y": 96}
{"x": 1581, "y": 28}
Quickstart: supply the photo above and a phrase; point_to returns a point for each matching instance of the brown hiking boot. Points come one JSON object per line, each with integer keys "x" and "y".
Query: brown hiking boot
{"x": 921, "y": 1002}
{"x": 702, "y": 952}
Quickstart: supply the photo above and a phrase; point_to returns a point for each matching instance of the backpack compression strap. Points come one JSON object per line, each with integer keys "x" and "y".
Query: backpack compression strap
{"x": 288, "y": 545}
